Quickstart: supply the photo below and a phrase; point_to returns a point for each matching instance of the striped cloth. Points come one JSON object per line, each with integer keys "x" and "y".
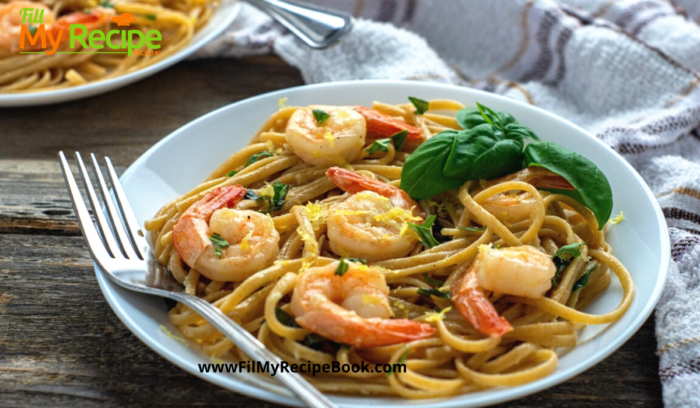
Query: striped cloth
{"x": 626, "y": 70}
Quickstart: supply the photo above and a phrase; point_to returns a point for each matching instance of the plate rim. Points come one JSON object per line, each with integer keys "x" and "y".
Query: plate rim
{"x": 242, "y": 387}
{"x": 42, "y": 98}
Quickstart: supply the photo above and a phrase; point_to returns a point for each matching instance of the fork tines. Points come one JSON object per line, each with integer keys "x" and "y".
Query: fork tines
{"x": 118, "y": 235}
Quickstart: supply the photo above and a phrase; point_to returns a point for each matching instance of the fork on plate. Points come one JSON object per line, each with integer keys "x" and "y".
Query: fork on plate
{"x": 116, "y": 242}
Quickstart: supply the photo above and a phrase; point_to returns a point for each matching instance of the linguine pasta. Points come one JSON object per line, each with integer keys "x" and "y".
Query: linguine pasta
{"x": 457, "y": 358}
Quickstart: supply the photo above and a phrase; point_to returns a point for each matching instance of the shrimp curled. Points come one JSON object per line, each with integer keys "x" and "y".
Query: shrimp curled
{"x": 252, "y": 237}
{"x": 352, "y": 308}
{"x": 520, "y": 271}
{"x": 372, "y": 223}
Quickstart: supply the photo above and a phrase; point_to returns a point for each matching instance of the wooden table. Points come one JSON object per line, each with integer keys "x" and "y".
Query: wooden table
{"x": 60, "y": 343}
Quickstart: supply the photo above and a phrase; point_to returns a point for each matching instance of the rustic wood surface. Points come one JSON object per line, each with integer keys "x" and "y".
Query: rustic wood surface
{"x": 60, "y": 343}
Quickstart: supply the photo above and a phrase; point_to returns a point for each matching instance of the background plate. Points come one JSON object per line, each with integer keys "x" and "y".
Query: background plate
{"x": 220, "y": 20}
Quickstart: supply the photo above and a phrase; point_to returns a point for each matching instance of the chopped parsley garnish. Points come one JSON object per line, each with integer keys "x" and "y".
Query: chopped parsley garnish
{"x": 321, "y": 116}
{"x": 381, "y": 144}
{"x": 563, "y": 257}
{"x": 219, "y": 244}
{"x": 343, "y": 266}
{"x": 231, "y": 173}
{"x": 583, "y": 280}
{"x": 472, "y": 229}
{"x": 151, "y": 17}
{"x": 270, "y": 203}
{"x": 424, "y": 232}
{"x": 399, "y": 138}
{"x": 106, "y": 3}
{"x": 285, "y": 318}
{"x": 421, "y": 105}
{"x": 258, "y": 156}
{"x": 32, "y": 29}
{"x": 432, "y": 281}
{"x": 433, "y": 292}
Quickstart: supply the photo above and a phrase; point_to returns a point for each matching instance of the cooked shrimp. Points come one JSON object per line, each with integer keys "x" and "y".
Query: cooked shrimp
{"x": 510, "y": 208}
{"x": 519, "y": 271}
{"x": 513, "y": 208}
{"x": 382, "y": 124}
{"x": 252, "y": 237}
{"x": 338, "y": 140}
{"x": 351, "y": 309}
{"x": 372, "y": 223}
{"x": 11, "y": 23}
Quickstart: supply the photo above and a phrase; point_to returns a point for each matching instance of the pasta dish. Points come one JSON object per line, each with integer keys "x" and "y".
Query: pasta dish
{"x": 175, "y": 20}
{"x": 448, "y": 238}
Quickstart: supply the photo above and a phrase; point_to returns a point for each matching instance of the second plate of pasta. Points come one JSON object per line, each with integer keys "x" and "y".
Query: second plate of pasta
{"x": 396, "y": 222}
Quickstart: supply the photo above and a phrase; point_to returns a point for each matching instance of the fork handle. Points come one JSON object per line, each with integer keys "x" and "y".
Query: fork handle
{"x": 316, "y": 26}
{"x": 255, "y": 349}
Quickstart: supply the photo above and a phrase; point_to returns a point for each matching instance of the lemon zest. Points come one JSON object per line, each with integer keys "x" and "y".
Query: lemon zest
{"x": 172, "y": 336}
{"x": 317, "y": 213}
{"x": 397, "y": 214}
{"x": 434, "y": 317}
{"x": 329, "y": 136}
{"x": 617, "y": 219}
{"x": 282, "y": 102}
{"x": 244, "y": 242}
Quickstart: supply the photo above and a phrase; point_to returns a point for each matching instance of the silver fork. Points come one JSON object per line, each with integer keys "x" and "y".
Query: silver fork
{"x": 122, "y": 252}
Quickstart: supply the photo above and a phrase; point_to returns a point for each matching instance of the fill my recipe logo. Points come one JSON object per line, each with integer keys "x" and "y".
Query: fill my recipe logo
{"x": 120, "y": 41}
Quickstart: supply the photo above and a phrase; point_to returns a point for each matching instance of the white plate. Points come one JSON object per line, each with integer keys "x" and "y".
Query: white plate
{"x": 220, "y": 20}
{"x": 185, "y": 158}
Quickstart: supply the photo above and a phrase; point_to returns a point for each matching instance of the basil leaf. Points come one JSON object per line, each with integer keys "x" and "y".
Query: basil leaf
{"x": 151, "y": 17}
{"x": 519, "y": 132}
{"x": 106, "y": 4}
{"x": 381, "y": 144}
{"x": 219, "y": 244}
{"x": 320, "y": 116}
{"x": 257, "y": 156}
{"x": 280, "y": 196}
{"x": 425, "y": 234}
{"x": 285, "y": 318}
{"x": 482, "y": 153}
{"x": 421, "y": 176}
{"x": 432, "y": 281}
{"x": 583, "y": 280}
{"x": 434, "y": 292}
{"x": 469, "y": 118}
{"x": 421, "y": 105}
{"x": 231, "y": 173}
{"x": 589, "y": 181}
{"x": 251, "y": 195}
{"x": 33, "y": 29}
{"x": 399, "y": 138}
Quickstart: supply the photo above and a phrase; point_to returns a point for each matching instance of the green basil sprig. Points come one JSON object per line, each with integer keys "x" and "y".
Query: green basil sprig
{"x": 492, "y": 145}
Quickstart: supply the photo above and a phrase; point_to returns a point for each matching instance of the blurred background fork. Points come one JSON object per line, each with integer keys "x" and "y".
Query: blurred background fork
{"x": 316, "y": 26}
{"x": 120, "y": 249}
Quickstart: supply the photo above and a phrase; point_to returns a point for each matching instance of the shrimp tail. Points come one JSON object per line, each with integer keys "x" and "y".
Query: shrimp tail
{"x": 352, "y": 183}
{"x": 223, "y": 197}
{"x": 191, "y": 245}
{"x": 471, "y": 301}
{"x": 385, "y": 125}
{"x": 359, "y": 332}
